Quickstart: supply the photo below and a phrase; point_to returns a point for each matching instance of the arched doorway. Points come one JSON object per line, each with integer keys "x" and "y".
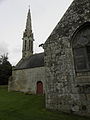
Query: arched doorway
{"x": 39, "y": 87}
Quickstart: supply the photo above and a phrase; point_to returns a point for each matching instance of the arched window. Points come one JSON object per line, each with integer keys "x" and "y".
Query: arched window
{"x": 81, "y": 48}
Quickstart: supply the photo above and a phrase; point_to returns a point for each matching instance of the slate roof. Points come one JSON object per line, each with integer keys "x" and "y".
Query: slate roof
{"x": 36, "y": 60}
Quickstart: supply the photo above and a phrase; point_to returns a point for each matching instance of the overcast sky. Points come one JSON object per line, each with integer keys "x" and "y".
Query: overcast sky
{"x": 13, "y": 13}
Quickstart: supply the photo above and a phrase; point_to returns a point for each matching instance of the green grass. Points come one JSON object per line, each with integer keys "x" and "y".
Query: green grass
{"x": 18, "y": 106}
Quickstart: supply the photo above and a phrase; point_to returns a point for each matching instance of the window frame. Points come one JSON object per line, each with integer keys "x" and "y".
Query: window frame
{"x": 76, "y": 46}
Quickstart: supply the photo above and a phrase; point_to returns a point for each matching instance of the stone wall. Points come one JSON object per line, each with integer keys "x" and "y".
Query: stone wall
{"x": 62, "y": 91}
{"x": 25, "y": 80}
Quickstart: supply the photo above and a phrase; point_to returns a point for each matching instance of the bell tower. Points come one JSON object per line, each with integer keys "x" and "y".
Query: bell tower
{"x": 28, "y": 38}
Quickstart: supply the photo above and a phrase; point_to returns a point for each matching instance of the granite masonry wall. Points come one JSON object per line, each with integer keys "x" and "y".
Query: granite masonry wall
{"x": 25, "y": 80}
{"x": 63, "y": 84}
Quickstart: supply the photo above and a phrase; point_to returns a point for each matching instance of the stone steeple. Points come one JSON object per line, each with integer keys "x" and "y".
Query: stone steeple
{"x": 28, "y": 38}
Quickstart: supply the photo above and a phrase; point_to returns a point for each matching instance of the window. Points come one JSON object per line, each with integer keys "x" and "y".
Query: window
{"x": 81, "y": 48}
{"x": 25, "y": 44}
{"x": 88, "y": 54}
{"x": 82, "y": 58}
{"x": 29, "y": 44}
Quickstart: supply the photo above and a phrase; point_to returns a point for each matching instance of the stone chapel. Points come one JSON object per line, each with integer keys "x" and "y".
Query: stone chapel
{"x": 29, "y": 74}
{"x": 62, "y": 72}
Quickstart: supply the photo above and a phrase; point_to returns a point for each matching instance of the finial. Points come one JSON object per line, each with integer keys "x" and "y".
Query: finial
{"x": 29, "y": 6}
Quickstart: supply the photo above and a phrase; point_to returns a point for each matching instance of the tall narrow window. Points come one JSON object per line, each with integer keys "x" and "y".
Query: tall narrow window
{"x": 25, "y": 44}
{"x": 29, "y": 44}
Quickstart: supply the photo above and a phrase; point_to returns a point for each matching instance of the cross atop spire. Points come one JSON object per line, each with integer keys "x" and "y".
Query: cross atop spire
{"x": 29, "y": 6}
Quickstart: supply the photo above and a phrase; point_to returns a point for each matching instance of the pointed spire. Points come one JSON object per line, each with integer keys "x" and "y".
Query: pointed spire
{"x": 28, "y": 23}
{"x": 28, "y": 37}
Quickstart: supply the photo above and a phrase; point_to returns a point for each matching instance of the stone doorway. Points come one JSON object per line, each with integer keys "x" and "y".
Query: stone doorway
{"x": 39, "y": 87}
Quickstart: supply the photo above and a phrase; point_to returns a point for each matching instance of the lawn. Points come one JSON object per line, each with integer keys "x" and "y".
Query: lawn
{"x": 19, "y": 106}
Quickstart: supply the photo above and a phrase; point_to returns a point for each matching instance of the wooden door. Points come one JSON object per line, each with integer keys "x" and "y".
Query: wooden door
{"x": 39, "y": 87}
